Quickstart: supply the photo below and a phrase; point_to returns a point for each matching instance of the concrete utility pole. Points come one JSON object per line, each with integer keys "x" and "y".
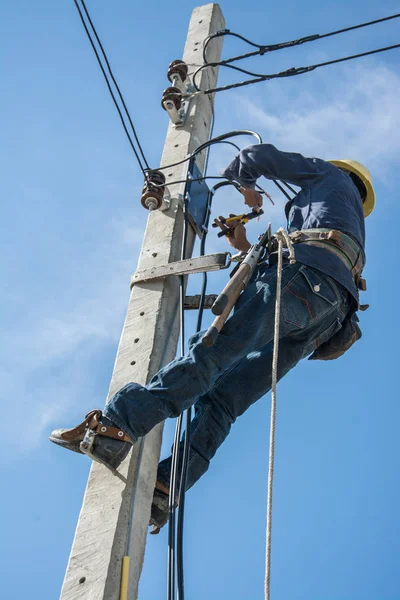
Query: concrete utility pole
{"x": 105, "y": 531}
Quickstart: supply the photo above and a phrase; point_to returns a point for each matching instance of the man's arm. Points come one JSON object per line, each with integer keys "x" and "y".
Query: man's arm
{"x": 266, "y": 160}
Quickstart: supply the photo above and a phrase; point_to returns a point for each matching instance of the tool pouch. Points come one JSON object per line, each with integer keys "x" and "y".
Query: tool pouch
{"x": 339, "y": 343}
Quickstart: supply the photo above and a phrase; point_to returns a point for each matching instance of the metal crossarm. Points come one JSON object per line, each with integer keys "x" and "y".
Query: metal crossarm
{"x": 210, "y": 262}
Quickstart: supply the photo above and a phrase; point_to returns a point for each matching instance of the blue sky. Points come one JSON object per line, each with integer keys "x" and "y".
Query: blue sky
{"x": 71, "y": 231}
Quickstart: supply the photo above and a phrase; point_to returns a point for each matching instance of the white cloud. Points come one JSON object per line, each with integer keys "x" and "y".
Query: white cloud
{"x": 355, "y": 116}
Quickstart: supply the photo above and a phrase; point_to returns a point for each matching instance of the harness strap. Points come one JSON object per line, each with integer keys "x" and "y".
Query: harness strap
{"x": 342, "y": 245}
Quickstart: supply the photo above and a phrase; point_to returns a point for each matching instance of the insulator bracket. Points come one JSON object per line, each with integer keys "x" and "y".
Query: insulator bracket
{"x": 178, "y": 69}
{"x": 153, "y": 190}
{"x": 172, "y": 102}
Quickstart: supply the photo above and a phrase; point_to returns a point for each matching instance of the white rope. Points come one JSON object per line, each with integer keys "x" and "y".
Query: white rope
{"x": 285, "y": 237}
{"x": 282, "y": 237}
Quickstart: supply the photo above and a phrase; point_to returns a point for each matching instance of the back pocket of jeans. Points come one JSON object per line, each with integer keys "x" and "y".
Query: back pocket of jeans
{"x": 307, "y": 298}
{"x": 319, "y": 286}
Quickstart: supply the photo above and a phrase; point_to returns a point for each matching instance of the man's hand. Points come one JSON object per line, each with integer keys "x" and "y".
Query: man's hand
{"x": 235, "y": 234}
{"x": 252, "y": 198}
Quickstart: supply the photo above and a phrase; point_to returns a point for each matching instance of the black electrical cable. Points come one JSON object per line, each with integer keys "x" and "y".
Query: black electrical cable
{"x": 186, "y": 443}
{"x": 285, "y": 183}
{"x": 171, "y": 510}
{"x": 110, "y": 88}
{"x": 181, "y": 494}
{"x": 185, "y": 453}
{"x": 202, "y": 252}
{"x": 295, "y": 70}
{"x": 209, "y": 137}
{"x": 175, "y": 532}
{"x": 261, "y": 48}
{"x": 284, "y": 192}
{"x": 160, "y": 185}
{"x": 264, "y": 48}
{"x": 175, "y": 551}
{"x": 218, "y": 139}
{"x": 115, "y": 82}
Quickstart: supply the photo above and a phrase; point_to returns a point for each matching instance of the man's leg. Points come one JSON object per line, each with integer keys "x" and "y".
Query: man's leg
{"x": 247, "y": 381}
{"x": 312, "y": 309}
{"x": 234, "y": 392}
{"x": 309, "y": 298}
{"x": 137, "y": 409}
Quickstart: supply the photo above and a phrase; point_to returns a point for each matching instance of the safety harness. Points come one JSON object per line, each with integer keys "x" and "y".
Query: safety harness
{"x": 342, "y": 245}
{"x": 345, "y": 248}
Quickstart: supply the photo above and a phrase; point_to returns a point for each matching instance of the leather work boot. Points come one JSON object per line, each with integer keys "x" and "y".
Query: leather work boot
{"x": 159, "y": 508}
{"x": 97, "y": 437}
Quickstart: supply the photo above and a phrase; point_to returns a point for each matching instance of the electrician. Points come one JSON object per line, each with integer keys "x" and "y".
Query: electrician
{"x": 320, "y": 296}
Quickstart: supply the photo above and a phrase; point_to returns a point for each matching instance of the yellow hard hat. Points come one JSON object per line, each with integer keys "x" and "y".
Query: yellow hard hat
{"x": 362, "y": 172}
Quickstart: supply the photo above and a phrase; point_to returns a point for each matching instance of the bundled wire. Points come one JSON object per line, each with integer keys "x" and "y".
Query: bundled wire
{"x": 175, "y": 526}
{"x": 292, "y": 71}
{"x": 263, "y": 49}
{"x": 181, "y": 458}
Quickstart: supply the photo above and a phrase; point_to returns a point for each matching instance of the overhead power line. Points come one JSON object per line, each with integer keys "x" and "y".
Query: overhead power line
{"x": 263, "y": 49}
{"x": 293, "y": 71}
{"x": 139, "y": 159}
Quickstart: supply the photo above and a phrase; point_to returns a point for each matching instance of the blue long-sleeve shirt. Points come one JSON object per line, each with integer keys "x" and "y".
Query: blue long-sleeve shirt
{"x": 328, "y": 199}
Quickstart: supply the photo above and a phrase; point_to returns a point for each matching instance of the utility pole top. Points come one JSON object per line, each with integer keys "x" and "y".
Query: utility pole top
{"x": 108, "y": 528}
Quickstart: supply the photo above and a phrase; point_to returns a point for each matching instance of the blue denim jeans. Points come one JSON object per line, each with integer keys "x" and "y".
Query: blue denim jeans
{"x": 223, "y": 381}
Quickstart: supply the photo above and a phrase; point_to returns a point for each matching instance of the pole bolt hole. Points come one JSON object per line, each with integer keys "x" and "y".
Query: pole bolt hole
{"x": 142, "y": 313}
{"x": 135, "y": 341}
{"x": 154, "y": 254}
{"x": 82, "y": 580}
{"x": 133, "y": 362}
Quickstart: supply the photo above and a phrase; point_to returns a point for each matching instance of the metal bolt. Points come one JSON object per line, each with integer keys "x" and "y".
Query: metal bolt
{"x": 150, "y": 203}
